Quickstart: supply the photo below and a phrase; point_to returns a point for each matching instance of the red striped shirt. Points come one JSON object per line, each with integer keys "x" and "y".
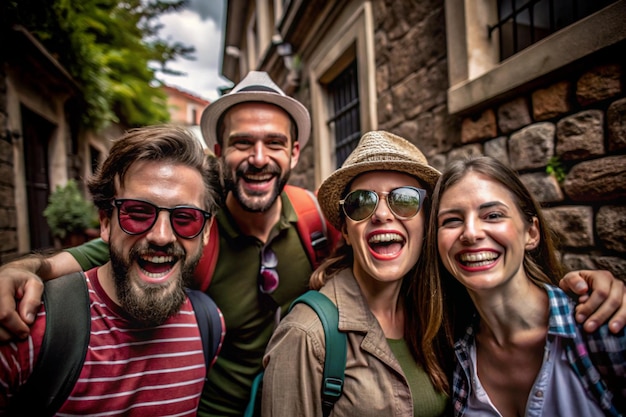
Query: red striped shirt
{"x": 128, "y": 370}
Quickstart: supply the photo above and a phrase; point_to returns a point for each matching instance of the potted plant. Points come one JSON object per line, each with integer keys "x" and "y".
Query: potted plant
{"x": 70, "y": 215}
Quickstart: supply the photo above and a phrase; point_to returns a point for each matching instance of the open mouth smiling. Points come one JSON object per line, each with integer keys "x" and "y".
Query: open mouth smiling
{"x": 156, "y": 266}
{"x": 386, "y": 243}
{"x": 262, "y": 177}
{"x": 476, "y": 259}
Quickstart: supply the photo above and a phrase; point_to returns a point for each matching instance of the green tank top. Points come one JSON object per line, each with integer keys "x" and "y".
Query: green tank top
{"x": 427, "y": 402}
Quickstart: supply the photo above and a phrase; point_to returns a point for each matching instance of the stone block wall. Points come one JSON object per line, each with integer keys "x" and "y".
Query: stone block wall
{"x": 574, "y": 127}
{"x": 8, "y": 219}
{"x": 568, "y": 142}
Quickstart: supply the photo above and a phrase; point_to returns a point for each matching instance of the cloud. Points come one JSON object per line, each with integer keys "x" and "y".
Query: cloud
{"x": 200, "y": 25}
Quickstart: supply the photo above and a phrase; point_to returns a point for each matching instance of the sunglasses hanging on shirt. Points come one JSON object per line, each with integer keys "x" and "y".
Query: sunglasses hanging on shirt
{"x": 268, "y": 282}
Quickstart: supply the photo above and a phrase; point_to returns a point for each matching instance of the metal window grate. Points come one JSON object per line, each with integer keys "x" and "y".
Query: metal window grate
{"x": 524, "y": 22}
{"x": 344, "y": 94}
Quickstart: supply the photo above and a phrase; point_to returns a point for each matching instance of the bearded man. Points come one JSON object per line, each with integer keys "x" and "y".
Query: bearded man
{"x": 156, "y": 194}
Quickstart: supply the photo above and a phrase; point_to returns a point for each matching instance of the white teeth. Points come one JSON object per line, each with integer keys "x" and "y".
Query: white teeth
{"x": 386, "y": 238}
{"x": 158, "y": 259}
{"x": 478, "y": 257}
{"x": 153, "y": 275}
{"x": 258, "y": 177}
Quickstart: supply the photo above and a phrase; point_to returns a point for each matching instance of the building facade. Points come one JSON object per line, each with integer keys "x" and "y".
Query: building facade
{"x": 41, "y": 145}
{"x": 542, "y": 87}
{"x": 185, "y": 109}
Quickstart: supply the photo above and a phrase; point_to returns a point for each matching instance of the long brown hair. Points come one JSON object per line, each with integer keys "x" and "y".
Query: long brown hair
{"x": 540, "y": 264}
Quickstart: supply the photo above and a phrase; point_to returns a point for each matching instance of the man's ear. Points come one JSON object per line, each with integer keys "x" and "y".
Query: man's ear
{"x": 207, "y": 231}
{"x": 105, "y": 225}
{"x": 295, "y": 153}
{"x": 217, "y": 149}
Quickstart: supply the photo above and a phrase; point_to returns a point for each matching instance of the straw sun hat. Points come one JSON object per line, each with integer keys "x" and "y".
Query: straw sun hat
{"x": 376, "y": 151}
{"x": 257, "y": 86}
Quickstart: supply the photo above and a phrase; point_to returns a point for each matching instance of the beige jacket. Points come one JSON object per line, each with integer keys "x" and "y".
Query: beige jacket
{"x": 374, "y": 382}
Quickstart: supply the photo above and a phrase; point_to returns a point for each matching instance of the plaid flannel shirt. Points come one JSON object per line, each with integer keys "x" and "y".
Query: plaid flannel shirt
{"x": 593, "y": 356}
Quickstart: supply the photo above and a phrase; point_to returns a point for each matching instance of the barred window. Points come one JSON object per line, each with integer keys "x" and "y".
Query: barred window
{"x": 344, "y": 94}
{"x": 524, "y": 22}
{"x": 488, "y": 43}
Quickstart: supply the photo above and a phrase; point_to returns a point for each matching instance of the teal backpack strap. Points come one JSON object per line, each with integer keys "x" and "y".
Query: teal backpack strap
{"x": 254, "y": 403}
{"x": 336, "y": 351}
{"x": 63, "y": 348}
{"x": 210, "y": 323}
{"x": 336, "y": 346}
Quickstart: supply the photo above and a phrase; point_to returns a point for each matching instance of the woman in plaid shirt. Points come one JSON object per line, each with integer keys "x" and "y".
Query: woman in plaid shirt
{"x": 521, "y": 353}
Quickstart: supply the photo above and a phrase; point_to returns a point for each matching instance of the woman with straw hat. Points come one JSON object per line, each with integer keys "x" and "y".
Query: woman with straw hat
{"x": 378, "y": 200}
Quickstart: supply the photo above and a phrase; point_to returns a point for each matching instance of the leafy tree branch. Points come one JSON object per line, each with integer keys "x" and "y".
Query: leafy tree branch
{"x": 110, "y": 47}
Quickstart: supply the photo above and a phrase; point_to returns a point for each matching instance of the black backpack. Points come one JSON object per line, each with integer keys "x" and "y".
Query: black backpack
{"x": 64, "y": 346}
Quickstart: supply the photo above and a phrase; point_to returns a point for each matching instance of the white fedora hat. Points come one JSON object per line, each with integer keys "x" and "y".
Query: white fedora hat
{"x": 257, "y": 86}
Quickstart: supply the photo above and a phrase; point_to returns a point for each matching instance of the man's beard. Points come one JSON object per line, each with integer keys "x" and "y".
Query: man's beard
{"x": 151, "y": 304}
{"x": 250, "y": 203}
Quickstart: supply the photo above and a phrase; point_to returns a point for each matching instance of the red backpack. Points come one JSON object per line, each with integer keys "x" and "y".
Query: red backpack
{"x": 316, "y": 235}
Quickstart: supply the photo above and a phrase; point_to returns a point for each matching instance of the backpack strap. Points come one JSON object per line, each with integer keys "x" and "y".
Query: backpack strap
{"x": 206, "y": 266}
{"x": 210, "y": 323}
{"x": 254, "y": 403}
{"x": 336, "y": 346}
{"x": 311, "y": 223}
{"x": 334, "y": 363}
{"x": 63, "y": 348}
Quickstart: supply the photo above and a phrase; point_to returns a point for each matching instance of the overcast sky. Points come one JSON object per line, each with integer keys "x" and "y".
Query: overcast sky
{"x": 199, "y": 25}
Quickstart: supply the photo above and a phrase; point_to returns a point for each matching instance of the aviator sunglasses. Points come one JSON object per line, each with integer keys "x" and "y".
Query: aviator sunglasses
{"x": 138, "y": 216}
{"x": 404, "y": 202}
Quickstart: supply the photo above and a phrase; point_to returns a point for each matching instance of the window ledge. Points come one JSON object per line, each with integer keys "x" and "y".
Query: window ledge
{"x": 591, "y": 34}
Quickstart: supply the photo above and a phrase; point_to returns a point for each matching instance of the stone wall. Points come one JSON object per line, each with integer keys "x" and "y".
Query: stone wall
{"x": 574, "y": 128}
{"x": 8, "y": 221}
{"x": 568, "y": 141}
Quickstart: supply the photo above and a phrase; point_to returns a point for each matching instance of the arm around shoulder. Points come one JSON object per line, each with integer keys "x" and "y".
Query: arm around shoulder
{"x": 21, "y": 290}
{"x": 602, "y": 298}
{"x": 89, "y": 255}
{"x": 20, "y": 283}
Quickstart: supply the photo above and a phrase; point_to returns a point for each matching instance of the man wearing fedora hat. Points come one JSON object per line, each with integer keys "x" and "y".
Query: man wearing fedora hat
{"x": 258, "y": 132}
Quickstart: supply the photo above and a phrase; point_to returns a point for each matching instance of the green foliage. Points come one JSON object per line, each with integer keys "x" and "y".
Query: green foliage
{"x": 108, "y": 46}
{"x": 556, "y": 169}
{"x": 68, "y": 211}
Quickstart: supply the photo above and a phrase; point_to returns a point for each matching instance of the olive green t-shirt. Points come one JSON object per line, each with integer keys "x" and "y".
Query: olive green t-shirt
{"x": 91, "y": 254}
{"x": 427, "y": 402}
{"x": 248, "y": 325}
